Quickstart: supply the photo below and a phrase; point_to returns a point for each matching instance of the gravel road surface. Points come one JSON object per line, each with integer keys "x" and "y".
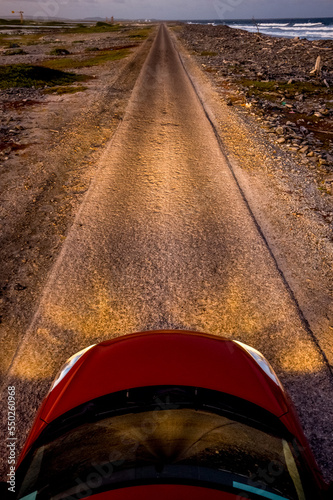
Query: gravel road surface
{"x": 165, "y": 239}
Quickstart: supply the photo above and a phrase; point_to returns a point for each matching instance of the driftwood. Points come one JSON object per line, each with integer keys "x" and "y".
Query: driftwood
{"x": 317, "y": 69}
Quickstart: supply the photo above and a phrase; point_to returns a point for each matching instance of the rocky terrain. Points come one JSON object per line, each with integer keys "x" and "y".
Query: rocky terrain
{"x": 240, "y": 53}
{"x": 273, "y": 79}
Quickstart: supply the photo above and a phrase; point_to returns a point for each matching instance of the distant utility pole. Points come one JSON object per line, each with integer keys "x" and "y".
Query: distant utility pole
{"x": 21, "y": 15}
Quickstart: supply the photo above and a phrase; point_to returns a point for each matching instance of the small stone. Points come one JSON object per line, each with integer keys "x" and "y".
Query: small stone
{"x": 18, "y": 286}
{"x": 304, "y": 149}
{"x": 281, "y": 140}
{"x": 279, "y": 130}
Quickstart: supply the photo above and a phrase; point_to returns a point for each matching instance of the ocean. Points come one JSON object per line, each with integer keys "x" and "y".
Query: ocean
{"x": 312, "y": 28}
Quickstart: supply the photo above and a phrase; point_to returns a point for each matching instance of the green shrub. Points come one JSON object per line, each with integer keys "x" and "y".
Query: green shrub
{"x": 25, "y": 75}
{"x": 59, "y": 52}
{"x": 102, "y": 57}
{"x": 103, "y": 28}
{"x": 208, "y": 53}
{"x": 15, "y": 52}
{"x": 101, "y": 24}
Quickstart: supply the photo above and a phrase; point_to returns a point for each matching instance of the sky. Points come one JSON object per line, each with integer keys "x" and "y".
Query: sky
{"x": 170, "y": 9}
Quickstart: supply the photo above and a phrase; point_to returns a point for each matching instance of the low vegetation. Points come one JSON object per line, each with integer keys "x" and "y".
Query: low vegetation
{"x": 11, "y": 41}
{"x": 27, "y": 22}
{"x": 97, "y": 28}
{"x": 102, "y": 57}
{"x": 257, "y": 87}
{"x": 208, "y": 53}
{"x": 140, "y": 33}
{"x": 59, "y": 52}
{"x": 92, "y": 49}
{"x": 15, "y": 52}
{"x": 25, "y": 75}
{"x": 6, "y": 22}
{"x": 100, "y": 24}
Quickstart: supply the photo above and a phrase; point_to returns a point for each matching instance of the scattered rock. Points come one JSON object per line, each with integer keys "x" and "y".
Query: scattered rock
{"x": 19, "y": 287}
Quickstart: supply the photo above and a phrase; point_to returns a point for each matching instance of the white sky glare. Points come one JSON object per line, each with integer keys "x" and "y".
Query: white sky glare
{"x": 171, "y": 9}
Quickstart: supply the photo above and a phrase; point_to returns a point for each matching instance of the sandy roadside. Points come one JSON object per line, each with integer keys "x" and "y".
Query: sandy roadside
{"x": 289, "y": 187}
{"x": 293, "y": 213}
{"x": 49, "y": 148}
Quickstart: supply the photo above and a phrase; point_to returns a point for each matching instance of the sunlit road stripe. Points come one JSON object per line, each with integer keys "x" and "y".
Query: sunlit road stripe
{"x": 262, "y": 493}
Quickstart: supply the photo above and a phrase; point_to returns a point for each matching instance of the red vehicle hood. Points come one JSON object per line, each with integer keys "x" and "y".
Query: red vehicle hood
{"x": 164, "y": 358}
{"x": 165, "y": 492}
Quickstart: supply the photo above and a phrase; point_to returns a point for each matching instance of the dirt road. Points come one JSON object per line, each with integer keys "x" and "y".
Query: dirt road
{"x": 165, "y": 239}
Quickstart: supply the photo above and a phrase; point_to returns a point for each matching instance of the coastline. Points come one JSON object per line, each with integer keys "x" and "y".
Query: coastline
{"x": 318, "y": 28}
